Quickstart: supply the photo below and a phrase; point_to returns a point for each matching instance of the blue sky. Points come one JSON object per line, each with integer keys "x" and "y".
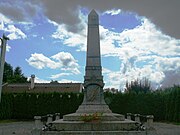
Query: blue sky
{"x": 52, "y": 44}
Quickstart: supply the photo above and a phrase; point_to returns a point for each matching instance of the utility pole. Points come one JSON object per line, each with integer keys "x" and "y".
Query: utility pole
{"x": 2, "y": 58}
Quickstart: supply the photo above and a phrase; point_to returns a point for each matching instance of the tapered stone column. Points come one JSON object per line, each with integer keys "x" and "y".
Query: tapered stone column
{"x": 93, "y": 79}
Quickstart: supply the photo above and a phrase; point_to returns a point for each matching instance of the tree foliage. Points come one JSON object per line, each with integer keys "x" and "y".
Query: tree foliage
{"x": 164, "y": 105}
{"x": 138, "y": 86}
{"x": 54, "y": 82}
{"x": 8, "y": 72}
{"x": 13, "y": 76}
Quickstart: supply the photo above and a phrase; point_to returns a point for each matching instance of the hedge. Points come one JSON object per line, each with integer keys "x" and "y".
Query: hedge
{"x": 6, "y": 106}
{"x": 164, "y": 105}
{"x": 27, "y": 105}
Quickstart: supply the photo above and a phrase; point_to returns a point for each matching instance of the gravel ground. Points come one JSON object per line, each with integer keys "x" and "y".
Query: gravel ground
{"x": 16, "y": 128}
{"x": 25, "y": 128}
{"x": 167, "y": 129}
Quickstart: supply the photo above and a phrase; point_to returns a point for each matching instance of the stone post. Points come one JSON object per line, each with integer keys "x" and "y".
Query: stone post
{"x": 137, "y": 117}
{"x": 49, "y": 118}
{"x": 38, "y": 125}
{"x": 129, "y": 116}
{"x": 57, "y": 116}
{"x": 2, "y": 60}
{"x": 93, "y": 80}
{"x": 150, "y": 121}
{"x": 37, "y": 120}
{"x": 32, "y": 81}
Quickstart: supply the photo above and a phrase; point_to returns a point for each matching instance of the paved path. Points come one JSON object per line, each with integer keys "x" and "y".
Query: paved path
{"x": 167, "y": 129}
{"x": 16, "y": 128}
{"x": 24, "y": 128}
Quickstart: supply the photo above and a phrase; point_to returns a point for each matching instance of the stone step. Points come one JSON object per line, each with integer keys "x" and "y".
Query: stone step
{"x": 95, "y": 133}
{"x": 126, "y": 125}
{"x": 104, "y": 117}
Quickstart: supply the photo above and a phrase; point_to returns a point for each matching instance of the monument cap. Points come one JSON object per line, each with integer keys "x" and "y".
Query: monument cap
{"x": 93, "y": 18}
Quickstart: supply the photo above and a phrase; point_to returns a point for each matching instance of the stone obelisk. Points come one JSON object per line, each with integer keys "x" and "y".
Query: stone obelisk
{"x": 93, "y": 79}
{"x": 110, "y": 123}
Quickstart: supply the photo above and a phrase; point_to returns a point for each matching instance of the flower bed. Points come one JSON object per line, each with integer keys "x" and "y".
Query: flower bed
{"x": 91, "y": 117}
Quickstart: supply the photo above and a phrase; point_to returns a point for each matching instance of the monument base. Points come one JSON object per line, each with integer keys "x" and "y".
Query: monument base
{"x": 93, "y": 108}
{"x": 96, "y": 133}
{"x": 100, "y": 133}
{"x": 104, "y": 117}
{"x": 126, "y": 127}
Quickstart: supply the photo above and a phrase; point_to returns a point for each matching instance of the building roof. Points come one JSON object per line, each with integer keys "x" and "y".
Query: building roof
{"x": 43, "y": 87}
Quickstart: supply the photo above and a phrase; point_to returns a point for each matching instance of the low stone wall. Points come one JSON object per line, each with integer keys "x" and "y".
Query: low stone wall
{"x": 148, "y": 119}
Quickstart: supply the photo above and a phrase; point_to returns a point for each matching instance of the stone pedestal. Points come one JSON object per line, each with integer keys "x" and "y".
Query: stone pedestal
{"x": 95, "y": 133}
{"x": 49, "y": 118}
{"x": 126, "y": 127}
{"x": 61, "y": 125}
{"x": 104, "y": 117}
{"x": 150, "y": 121}
{"x": 57, "y": 116}
{"x": 103, "y": 108}
{"x": 129, "y": 116}
{"x": 137, "y": 117}
{"x": 38, "y": 126}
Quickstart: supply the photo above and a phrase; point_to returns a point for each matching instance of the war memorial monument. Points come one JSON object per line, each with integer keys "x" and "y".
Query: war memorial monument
{"x": 93, "y": 103}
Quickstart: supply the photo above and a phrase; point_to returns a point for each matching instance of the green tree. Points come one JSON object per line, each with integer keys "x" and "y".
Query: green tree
{"x": 54, "y": 82}
{"x": 18, "y": 76}
{"x": 8, "y": 72}
{"x": 17, "y": 71}
{"x": 13, "y": 76}
{"x": 138, "y": 86}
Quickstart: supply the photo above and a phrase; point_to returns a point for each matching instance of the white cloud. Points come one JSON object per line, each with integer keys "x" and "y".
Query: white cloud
{"x": 147, "y": 39}
{"x": 166, "y": 64}
{"x": 113, "y": 12}
{"x": 39, "y": 80}
{"x": 79, "y": 40}
{"x": 69, "y": 38}
{"x": 114, "y": 79}
{"x": 147, "y": 46}
{"x": 8, "y": 48}
{"x": 40, "y": 61}
{"x": 63, "y": 61}
{"x": 68, "y": 81}
{"x": 60, "y": 75}
{"x": 52, "y": 22}
{"x": 66, "y": 58}
{"x": 111, "y": 78}
{"x": 15, "y": 33}
{"x": 7, "y": 26}
{"x": 68, "y": 62}
{"x": 144, "y": 51}
{"x": 34, "y": 35}
{"x": 105, "y": 70}
{"x": 4, "y": 19}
